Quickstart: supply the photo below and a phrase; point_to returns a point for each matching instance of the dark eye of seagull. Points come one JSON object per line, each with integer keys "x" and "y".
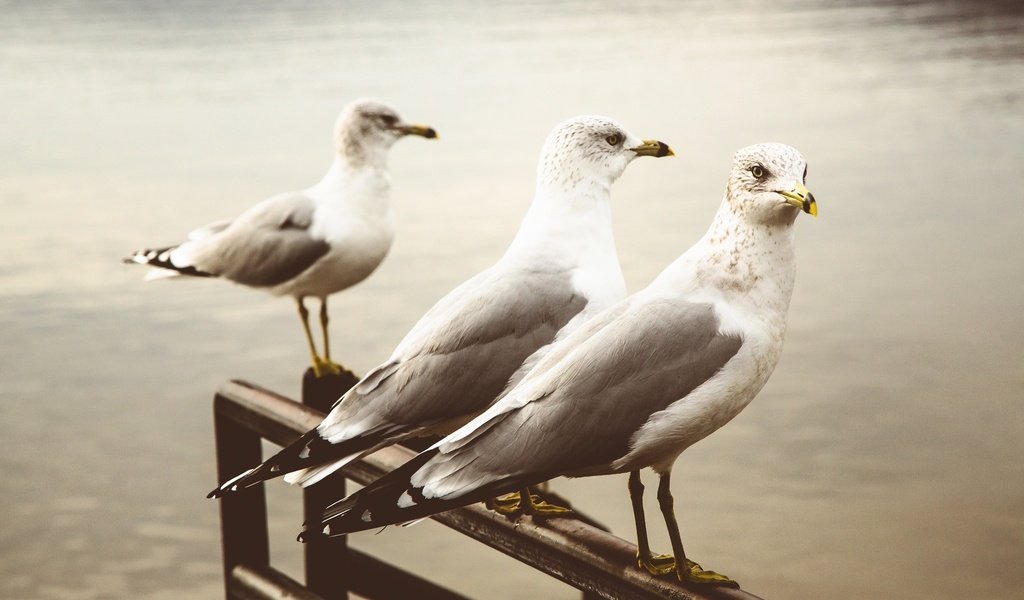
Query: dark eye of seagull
{"x": 614, "y": 139}
{"x": 389, "y": 120}
{"x": 758, "y": 172}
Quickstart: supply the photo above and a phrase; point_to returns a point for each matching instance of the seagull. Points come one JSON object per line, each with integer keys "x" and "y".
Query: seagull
{"x": 315, "y": 242}
{"x": 560, "y": 268}
{"x": 635, "y": 385}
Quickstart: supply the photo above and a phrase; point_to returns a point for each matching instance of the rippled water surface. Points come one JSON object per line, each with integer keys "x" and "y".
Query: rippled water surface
{"x": 883, "y": 459}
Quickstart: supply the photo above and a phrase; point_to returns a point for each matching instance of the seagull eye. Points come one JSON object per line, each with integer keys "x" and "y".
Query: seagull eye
{"x": 614, "y": 139}
{"x": 389, "y": 120}
{"x": 758, "y": 172}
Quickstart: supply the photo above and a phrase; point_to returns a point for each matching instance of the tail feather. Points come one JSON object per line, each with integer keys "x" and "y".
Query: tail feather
{"x": 313, "y": 475}
{"x": 155, "y": 274}
{"x": 393, "y": 499}
{"x": 309, "y": 451}
{"x": 160, "y": 258}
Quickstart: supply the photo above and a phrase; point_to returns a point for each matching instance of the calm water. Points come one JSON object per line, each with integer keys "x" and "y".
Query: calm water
{"x": 884, "y": 458}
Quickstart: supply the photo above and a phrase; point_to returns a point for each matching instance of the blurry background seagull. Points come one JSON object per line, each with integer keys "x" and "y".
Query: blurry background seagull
{"x": 311, "y": 243}
{"x": 637, "y": 384}
{"x": 560, "y": 268}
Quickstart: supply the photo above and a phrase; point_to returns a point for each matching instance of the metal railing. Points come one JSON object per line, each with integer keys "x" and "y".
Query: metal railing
{"x": 571, "y": 550}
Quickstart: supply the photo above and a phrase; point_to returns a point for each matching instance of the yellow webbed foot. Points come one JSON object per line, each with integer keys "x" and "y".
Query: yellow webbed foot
{"x": 665, "y": 564}
{"x": 512, "y": 505}
{"x": 507, "y": 505}
{"x": 539, "y": 507}
{"x": 657, "y": 564}
{"x": 691, "y": 571}
{"x": 323, "y": 368}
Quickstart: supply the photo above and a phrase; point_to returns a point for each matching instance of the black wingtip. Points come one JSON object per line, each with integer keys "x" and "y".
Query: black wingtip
{"x": 287, "y": 460}
{"x": 308, "y": 535}
{"x": 158, "y": 258}
{"x": 378, "y": 504}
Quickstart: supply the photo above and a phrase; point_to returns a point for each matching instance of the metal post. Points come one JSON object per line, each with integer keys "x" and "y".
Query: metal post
{"x": 327, "y": 561}
{"x": 243, "y": 515}
{"x": 567, "y": 549}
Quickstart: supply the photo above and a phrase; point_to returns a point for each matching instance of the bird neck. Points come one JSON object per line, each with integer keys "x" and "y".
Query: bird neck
{"x": 364, "y": 187}
{"x": 572, "y": 222}
{"x": 752, "y": 265}
{"x": 360, "y": 151}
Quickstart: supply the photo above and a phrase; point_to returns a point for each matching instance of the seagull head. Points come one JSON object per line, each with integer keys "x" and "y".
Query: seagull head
{"x": 766, "y": 184}
{"x": 367, "y": 128}
{"x": 591, "y": 149}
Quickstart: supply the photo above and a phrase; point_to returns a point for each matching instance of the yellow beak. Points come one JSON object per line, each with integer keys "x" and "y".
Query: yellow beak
{"x": 414, "y": 129}
{"x": 653, "y": 148}
{"x": 802, "y": 198}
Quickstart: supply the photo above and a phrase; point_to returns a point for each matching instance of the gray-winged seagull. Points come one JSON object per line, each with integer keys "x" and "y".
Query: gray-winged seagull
{"x": 311, "y": 243}
{"x": 637, "y": 384}
{"x": 560, "y": 268}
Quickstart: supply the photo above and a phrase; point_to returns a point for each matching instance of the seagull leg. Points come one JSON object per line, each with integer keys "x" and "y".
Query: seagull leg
{"x": 686, "y": 569}
{"x": 327, "y": 364}
{"x": 304, "y": 316}
{"x": 655, "y": 564}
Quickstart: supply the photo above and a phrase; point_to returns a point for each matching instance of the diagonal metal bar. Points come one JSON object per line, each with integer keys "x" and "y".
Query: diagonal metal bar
{"x": 570, "y": 550}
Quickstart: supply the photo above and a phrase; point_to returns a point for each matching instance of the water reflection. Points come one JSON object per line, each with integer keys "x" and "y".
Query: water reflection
{"x": 887, "y": 441}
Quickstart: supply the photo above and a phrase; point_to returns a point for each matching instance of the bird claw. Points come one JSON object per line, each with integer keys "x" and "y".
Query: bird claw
{"x": 657, "y": 564}
{"x": 695, "y": 573}
{"x": 511, "y": 505}
{"x": 538, "y": 507}
{"x": 507, "y": 505}
{"x": 665, "y": 564}
{"x": 324, "y": 368}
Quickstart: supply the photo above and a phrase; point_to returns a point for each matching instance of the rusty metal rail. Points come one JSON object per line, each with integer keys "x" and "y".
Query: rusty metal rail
{"x": 577, "y": 553}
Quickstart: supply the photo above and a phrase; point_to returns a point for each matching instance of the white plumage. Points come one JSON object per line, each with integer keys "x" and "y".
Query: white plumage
{"x": 560, "y": 268}
{"x": 315, "y": 242}
{"x": 637, "y": 384}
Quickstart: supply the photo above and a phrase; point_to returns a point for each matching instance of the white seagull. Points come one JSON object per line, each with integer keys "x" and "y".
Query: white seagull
{"x": 315, "y": 242}
{"x": 560, "y": 268}
{"x": 637, "y": 384}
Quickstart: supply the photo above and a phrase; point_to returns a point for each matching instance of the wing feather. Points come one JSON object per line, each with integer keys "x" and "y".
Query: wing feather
{"x": 580, "y": 409}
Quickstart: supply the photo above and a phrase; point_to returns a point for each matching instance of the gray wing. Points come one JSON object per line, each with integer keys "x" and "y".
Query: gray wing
{"x": 209, "y": 229}
{"x": 593, "y": 399}
{"x": 460, "y": 355}
{"x": 265, "y": 246}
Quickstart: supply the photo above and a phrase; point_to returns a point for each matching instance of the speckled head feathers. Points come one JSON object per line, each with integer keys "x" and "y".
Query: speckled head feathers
{"x": 362, "y": 117}
{"x": 367, "y": 128}
{"x": 760, "y": 175}
{"x": 585, "y": 148}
